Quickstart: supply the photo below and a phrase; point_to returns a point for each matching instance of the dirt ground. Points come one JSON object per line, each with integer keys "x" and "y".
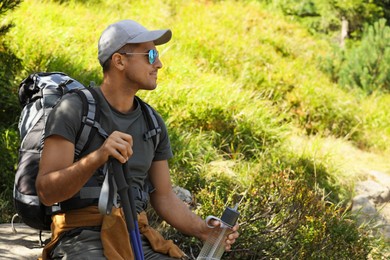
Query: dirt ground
{"x": 24, "y": 244}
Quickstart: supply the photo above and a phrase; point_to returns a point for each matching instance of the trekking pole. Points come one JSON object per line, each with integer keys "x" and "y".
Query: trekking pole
{"x": 126, "y": 171}
{"x": 123, "y": 191}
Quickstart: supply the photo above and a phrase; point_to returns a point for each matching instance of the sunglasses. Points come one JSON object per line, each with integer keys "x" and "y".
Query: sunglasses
{"x": 152, "y": 55}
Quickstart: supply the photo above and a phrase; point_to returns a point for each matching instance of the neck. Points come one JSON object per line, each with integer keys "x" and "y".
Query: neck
{"x": 119, "y": 96}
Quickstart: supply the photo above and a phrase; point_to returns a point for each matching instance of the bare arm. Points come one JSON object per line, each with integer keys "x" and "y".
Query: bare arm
{"x": 59, "y": 177}
{"x": 173, "y": 210}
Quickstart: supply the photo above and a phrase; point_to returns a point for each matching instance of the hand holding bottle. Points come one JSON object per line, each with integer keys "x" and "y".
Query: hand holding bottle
{"x": 232, "y": 235}
{"x": 219, "y": 238}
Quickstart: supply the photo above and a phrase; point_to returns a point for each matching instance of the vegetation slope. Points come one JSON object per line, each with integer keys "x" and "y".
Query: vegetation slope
{"x": 254, "y": 116}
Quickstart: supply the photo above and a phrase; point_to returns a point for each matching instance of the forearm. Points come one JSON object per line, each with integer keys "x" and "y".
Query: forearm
{"x": 60, "y": 185}
{"x": 177, "y": 214}
{"x": 59, "y": 178}
{"x": 170, "y": 208}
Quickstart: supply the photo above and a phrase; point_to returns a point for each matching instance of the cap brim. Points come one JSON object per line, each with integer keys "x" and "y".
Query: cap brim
{"x": 158, "y": 37}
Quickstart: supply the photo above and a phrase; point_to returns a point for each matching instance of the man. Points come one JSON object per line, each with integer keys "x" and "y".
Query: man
{"x": 130, "y": 62}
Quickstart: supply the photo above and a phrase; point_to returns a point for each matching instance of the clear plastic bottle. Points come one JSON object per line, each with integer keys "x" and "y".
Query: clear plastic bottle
{"x": 214, "y": 247}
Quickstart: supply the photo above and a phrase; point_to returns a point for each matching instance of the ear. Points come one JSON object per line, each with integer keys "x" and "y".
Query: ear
{"x": 117, "y": 61}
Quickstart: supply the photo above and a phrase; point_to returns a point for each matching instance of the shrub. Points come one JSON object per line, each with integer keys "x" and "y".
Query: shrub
{"x": 281, "y": 218}
{"x": 325, "y": 16}
{"x": 9, "y": 111}
{"x": 291, "y": 221}
{"x": 8, "y": 156}
{"x": 367, "y": 66}
{"x": 9, "y": 105}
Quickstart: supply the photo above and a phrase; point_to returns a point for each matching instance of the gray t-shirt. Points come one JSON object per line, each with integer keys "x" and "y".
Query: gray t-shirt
{"x": 65, "y": 120}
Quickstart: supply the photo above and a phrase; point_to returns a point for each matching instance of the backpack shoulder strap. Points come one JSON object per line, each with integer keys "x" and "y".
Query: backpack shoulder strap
{"x": 90, "y": 120}
{"x": 151, "y": 120}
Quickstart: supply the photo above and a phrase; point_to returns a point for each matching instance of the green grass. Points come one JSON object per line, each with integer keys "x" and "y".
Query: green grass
{"x": 251, "y": 116}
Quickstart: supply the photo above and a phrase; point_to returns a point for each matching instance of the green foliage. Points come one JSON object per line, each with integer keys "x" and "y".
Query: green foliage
{"x": 325, "y": 16}
{"x": 323, "y": 110}
{"x": 367, "y": 65}
{"x": 292, "y": 221}
{"x": 238, "y": 81}
{"x": 385, "y": 5}
{"x": 363, "y": 69}
{"x": 9, "y": 111}
{"x": 289, "y": 214}
{"x": 6, "y": 5}
{"x": 9, "y": 108}
{"x": 281, "y": 218}
{"x": 9, "y": 144}
{"x": 377, "y": 121}
{"x": 230, "y": 131}
{"x": 358, "y": 13}
{"x": 299, "y": 8}
{"x": 9, "y": 103}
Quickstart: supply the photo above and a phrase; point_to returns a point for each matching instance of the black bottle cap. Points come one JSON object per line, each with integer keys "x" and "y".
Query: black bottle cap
{"x": 230, "y": 216}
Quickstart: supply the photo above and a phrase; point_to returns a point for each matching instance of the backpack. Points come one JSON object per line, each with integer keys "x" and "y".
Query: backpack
{"x": 38, "y": 94}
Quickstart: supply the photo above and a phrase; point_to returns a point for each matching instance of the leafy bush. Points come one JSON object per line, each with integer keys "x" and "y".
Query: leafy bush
{"x": 9, "y": 111}
{"x": 362, "y": 65}
{"x": 292, "y": 221}
{"x": 367, "y": 66}
{"x": 9, "y": 140}
{"x": 281, "y": 217}
{"x": 9, "y": 105}
{"x": 363, "y": 70}
{"x": 325, "y": 16}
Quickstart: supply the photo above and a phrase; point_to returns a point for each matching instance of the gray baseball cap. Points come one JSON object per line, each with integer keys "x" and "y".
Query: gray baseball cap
{"x": 118, "y": 34}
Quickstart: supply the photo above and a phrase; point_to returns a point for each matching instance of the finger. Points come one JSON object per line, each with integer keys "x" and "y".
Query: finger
{"x": 126, "y": 137}
{"x": 231, "y": 238}
{"x": 235, "y": 228}
{"x": 234, "y": 235}
{"x": 116, "y": 151}
{"x": 215, "y": 223}
{"x": 117, "y": 154}
{"x": 122, "y": 146}
{"x": 125, "y": 150}
{"x": 229, "y": 243}
{"x": 228, "y": 247}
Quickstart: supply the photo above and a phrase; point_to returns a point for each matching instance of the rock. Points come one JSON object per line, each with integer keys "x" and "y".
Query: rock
{"x": 371, "y": 204}
{"x": 371, "y": 188}
{"x": 183, "y": 194}
{"x": 380, "y": 177}
{"x": 384, "y": 196}
{"x": 23, "y": 245}
{"x": 362, "y": 205}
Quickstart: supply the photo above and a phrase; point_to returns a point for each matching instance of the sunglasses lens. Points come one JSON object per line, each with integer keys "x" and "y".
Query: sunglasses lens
{"x": 153, "y": 54}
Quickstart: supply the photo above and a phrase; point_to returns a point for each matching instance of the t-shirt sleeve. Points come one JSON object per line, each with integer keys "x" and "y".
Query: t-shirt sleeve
{"x": 65, "y": 118}
{"x": 163, "y": 151}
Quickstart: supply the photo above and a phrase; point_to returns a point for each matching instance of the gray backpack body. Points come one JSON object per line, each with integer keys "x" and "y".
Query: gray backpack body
{"x": 38, "y": 94}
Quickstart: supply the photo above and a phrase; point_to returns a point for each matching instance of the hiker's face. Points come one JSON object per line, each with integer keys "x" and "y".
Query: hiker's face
{"x": 138, "y": 69}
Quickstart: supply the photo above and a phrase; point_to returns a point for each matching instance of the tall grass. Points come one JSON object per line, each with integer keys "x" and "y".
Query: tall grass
{"x": 377, "y": 122}
{"x": 250, "y": 114}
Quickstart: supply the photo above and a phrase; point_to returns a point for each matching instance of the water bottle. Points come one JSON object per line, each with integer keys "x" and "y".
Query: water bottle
{"x": 214, "y": 246}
